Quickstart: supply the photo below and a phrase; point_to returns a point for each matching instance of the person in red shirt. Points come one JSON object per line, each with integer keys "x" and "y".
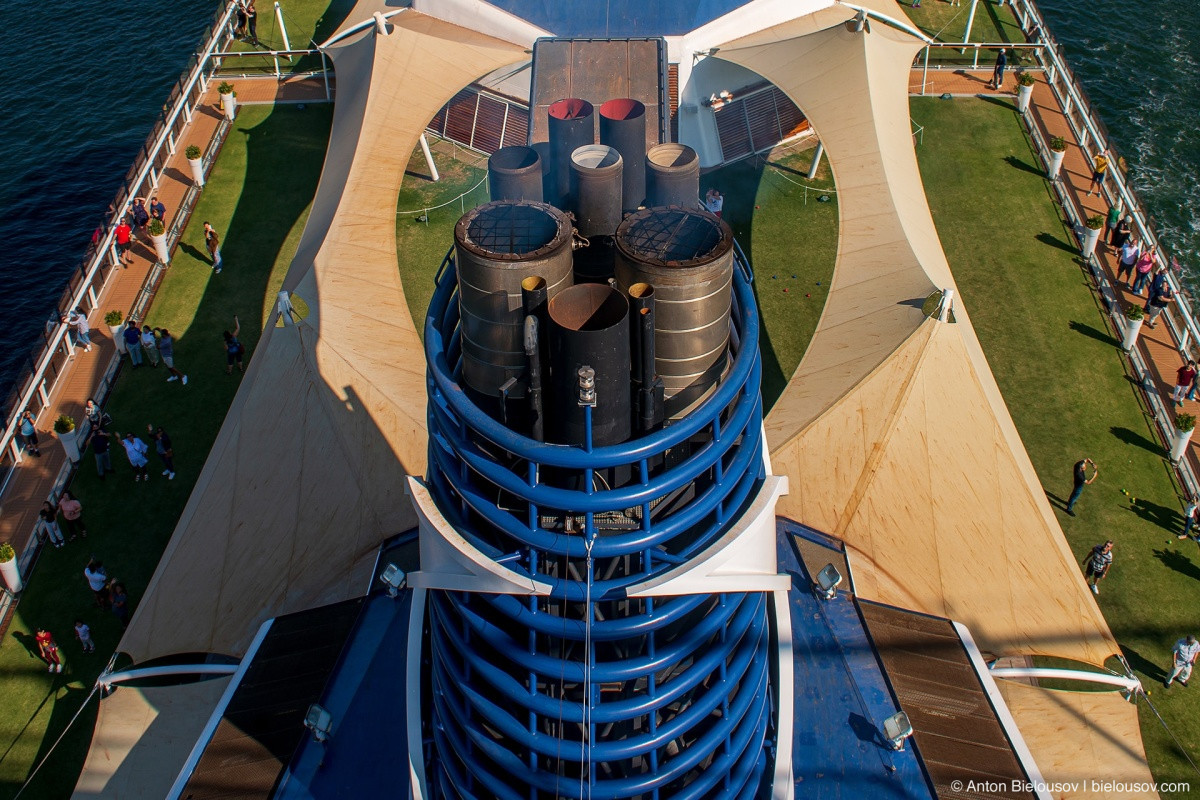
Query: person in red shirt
{"x": 1184, "y": 378}
{"x": 48, "y": 650}
{"x": 124, "y": 236}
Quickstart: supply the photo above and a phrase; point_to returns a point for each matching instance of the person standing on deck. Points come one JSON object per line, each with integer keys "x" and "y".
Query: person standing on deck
{"x": 998, "y": 72}
{"x": 1143, "y": 268}
{"x": 252, "y": 21}
{"x": 72, "y": 511}
{"x": 158, "y": 211}
{"x": 1189, "y": 515}
{"x": 1161, "y": 295}
{"x": 83, "y": 331}
{"x": 162, "y": 446}
{"x": 49, "y": 521}
{"x": 1184, "y": 378}
{"x": 48, "y": 650}
{"x": 124, "y": 239}
{"x": 1099, "y": 168}
{"x": 166, "y": 351}
{"x": 28, "y": 430}
{"x": 149, "y": 345}
{"x": 714, "y": 202}
{"x": 84, "y": 634}
{"x": 212, "y": 242}
{"x": 234, "y": 349}
{"x": 1183, "y": 656}
{"x": 136, "y": 450}
{"x": 1111, "y": 221}
{"x": 1120, "y": 233}
{"x": 1081, "y": 479}
{"x": 133, "y": 343}
{"x": 100, "y": 449}
{"x": 1128, "y": 256}
{"x": 97, "y": 579}
{"x": 1097, "y": 564}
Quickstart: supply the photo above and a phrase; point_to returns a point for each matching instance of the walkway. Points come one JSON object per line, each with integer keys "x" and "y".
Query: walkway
{"x": 84, "y": 373}
{"x": 1158, "y": 346}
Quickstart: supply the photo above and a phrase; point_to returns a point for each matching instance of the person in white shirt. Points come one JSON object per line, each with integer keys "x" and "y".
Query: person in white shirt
{"x": 97, "y": 579}
{"x": 136, "y": 450}
{"x": 1183, "y": 657}
{"x": 83, "y": 330}
{"x": 714, "y": 202}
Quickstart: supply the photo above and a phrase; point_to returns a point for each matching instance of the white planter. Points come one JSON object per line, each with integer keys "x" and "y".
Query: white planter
{"x": 118, "y": 332}
{"x": 1132, "y": 328}
{"x": 1179, "y": 446}
{"x": 1023, "y": 95}
{"x": 197, "y": 165}
{"x": 1090, "y": 238}
{"x": 70, "y": 443}
{"x": 160, "y": 249}
{"x": 12, "y": 575}
{"x": 1056, "y": 159}
{"x": 229, "y": 106}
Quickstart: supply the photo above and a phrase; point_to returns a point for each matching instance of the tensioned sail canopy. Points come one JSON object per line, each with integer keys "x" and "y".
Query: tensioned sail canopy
{"x": 892, "y": 430}
{"x": 306, "y": 477}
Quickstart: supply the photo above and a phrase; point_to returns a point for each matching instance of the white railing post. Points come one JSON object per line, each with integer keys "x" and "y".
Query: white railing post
{"x": 16, "y": 450}
{"x": 42, "y": 393}
{"x": 91, "y": 293}
{"x": 925, "y": 73}
{"x": 325, "y": 75}
{"x": 282, "y": 28}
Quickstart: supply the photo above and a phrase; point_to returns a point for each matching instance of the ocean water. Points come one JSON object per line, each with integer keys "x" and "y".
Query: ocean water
{"x": 83, "y": 81}
{"x": 1139, "y": 64}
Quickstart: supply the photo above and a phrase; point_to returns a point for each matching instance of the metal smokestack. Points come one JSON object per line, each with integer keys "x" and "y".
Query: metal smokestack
{"x": 672, "y": 176}
{"x": 590, "y": 327}
{"x": 572, "y": 124}
{"x": 515, "y": 173}
{"x": 649, "y": 387}
{"x": 623, "y": 128}
{"x": 596, "y": 189}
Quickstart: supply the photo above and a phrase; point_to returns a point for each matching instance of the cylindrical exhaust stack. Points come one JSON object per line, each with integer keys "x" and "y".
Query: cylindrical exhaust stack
{"x": 672, "y": 176}
{"x": 497, "y": 246}
{"x": 623, "y": 128}
{"x": 596, "y": 187}
{"x": 515, "y": 173}
{"x": 687, "y": 256}
{"x": 590, "y": 328}
{"x": 572, "y": 125}
{"x": 649, "y": 405}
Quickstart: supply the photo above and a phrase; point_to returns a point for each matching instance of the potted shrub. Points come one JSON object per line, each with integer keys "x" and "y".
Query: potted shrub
{"x": 1025, "y": 82}
{"x": 1058, "y": 151}
{"x": 113, "y": 320}
{"x": 228, "y": 99}
{"x": 1134, "y": 315}
{"x": 64, "y": 426}
{"x": 1092, "y": 226}
{"x": 195, "y": 159}
{"x": 1184, "y": 425}
{"x": 9, "y": 569}
{"x": 158, "y": 235}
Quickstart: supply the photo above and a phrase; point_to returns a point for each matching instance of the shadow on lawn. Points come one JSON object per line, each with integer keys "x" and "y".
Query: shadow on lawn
{"x": 1017, "y": 163}
{"x": 1087, "y": 330}
{"x": 1179, "y": 562}
{"x": 1142, "y": 665}
{"x": 1138, "y": 440}
{"x": 1162, "y": 516}
{"x": 1051, "y": 240}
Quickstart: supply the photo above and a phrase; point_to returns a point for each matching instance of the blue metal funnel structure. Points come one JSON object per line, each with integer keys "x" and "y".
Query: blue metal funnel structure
{"x": 584, "y": 639}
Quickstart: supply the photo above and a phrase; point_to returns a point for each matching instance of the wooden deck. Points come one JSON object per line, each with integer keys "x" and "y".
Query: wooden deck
{"x": 34, "y": 479}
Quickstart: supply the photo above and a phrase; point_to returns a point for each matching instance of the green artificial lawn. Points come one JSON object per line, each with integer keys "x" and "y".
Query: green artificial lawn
{"x": 308, "y": 23}
{"x": 947, "y": 23}
{"x": 258, "y": 198}
{"x": 1067, "y": 387}
{"x": 790, "y": 239}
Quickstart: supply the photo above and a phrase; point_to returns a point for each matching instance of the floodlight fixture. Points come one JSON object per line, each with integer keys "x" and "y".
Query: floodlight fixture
{"x": 896, "y": 729}
{"x": 319, "y": 721}
{"x": 828, "y": 579}
{"x": 394, "y": 578}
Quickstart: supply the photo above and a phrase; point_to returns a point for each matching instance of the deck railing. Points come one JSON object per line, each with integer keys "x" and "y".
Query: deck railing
{"x": 85, "y": 288}
{"x": 1093, "y": 138}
